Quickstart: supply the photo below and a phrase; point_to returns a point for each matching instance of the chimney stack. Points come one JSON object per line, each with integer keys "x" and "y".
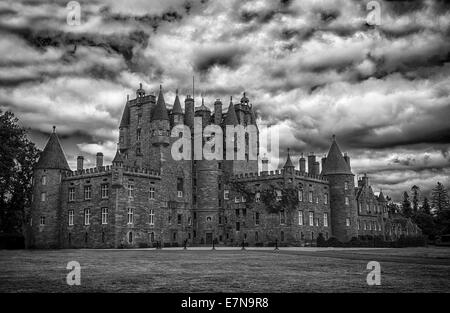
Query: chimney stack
{"x": 347, "y": 159}
{"x": 80, "y": 160}
{"x": 99, "y": 159}
{"x": 302, "y": 163}
{"x": 324, "y": 159}
{"x": 311, "y": 160}
{"x": 316, "y": 168}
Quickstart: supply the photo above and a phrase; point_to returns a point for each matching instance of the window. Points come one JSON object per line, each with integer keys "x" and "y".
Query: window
{"x": 317, "y": 199}
{"x": 310, "y": 197}
{"x": 179, "y": 219}
{"x": 43, "y": 196}
{"x": 256, "y": 218}
{"x": 317, "y": 222}
{"x": 359, "y": 225}
{"x": 346, "y": 201}
{"x": 279, "y": 195}
{"x": 300, "y": 195}
{"x": 130, "y": 237}
{"x": 282, "y": 236}
{"x": 367, "y": 208}
{"x": 189, "y": 221}
{"x": 139, "y": 117}
{"x": 87, "y": 216}
{"x": 71, "y": 194}
{"x": 238, "y": 226}
{"x": 44, "y": 180}
{"x": 282, "y": 217}
{"x": 325, "y": 219}
{"x": 347, "y": 222}
{"x": 179, "y": 187}
{"x": 237, "y": 212}
{"x": 237, "y": 199}
{"x": 346, "y": 185}
{"x": 300, "y": 217}
{"x": 130, "y": 216}
{"x": 365, "y": 226}
{"x": 105, "y": 191}
{"x": 152, "y": 236}
{"x": 256, "y": 237}
{"x": 130, "y": 191}
{"x": 370, "y": 225}
{"x": 311, "y": 218}
{"x": 325, "y": 198}
{"x": 87, "y": 192}
{"x": 71, "y": 213}
{"x": 42, "y": 221}
{"x": 243, "y": 199}
{"x": 359, "y": 207}
{"x": 258, "y": 197}
{"x": 152, "y": 192}
{"x": 226, "y": 194}
{"x": 104, "y": 216}
{"x": 138, "y": 134}
{"x": 151, "y": 217}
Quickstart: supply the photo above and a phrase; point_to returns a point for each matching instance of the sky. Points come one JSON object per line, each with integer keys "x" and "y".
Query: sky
{"x": 311, "y": 68}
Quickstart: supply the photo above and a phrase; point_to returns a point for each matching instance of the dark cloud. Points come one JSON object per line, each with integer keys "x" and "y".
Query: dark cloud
{"x": 223, "y": 56}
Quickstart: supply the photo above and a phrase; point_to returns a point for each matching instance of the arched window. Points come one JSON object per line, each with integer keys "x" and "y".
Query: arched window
{"x": 130, "y": 237}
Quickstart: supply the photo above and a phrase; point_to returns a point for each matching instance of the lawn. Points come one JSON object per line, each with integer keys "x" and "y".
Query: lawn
{"x": 170, "y": 270}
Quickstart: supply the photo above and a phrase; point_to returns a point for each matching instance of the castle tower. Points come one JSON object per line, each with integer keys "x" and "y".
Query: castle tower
{"x": 189, "y": 112}
{"x": 45, "y": 209}
{"x": 177, "y": 112}
{"x": 159, "y": 122}
{"x": 342, "y": 196}
{"x": 288, "y": 167}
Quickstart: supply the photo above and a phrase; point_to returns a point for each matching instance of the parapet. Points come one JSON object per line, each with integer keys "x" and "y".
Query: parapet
{"x": 252, "y": 176}
{"x": 98, "y": 171}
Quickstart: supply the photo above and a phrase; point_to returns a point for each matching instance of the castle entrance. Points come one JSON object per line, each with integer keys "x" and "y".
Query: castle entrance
{"x": 209, "y": 238}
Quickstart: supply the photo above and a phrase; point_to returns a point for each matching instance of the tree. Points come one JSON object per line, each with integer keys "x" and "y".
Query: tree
{"x": 426, "y": 206}
{"x": 18, "y": 155}
{"x": 415, "y": 200}
{"x": 406, "y": 205}
{"x": 439, "y": 198}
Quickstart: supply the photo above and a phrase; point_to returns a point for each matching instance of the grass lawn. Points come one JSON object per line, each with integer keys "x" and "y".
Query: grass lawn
{"x": 301, "y": 270}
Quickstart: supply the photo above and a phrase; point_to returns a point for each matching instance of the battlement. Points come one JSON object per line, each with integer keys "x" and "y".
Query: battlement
{"x": 278, "y": 174}
{"x": 107, "y": 169}
{"x": 146, "y": 98}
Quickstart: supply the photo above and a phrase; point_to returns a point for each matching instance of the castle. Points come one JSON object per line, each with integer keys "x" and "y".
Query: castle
{"x": 147, "y": 197}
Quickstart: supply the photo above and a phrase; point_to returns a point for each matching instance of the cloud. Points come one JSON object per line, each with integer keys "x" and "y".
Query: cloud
{"x": 311, "y": 69}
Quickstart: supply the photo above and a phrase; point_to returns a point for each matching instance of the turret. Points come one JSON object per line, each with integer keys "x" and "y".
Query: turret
{"x": 342, "y": 196}
{"x": 124, "y": 127}
{"x": 117, "y": 170}
{"x": 80, "y": 161}
{"x": 311, "y": 160}
{"x": 231, "y": 118}
{"x": 288, "y": 166}
{"x": 204, "y": 113}
{"x": 159, "y": 122}
{"x": 45, "y": 208}
{"x": 99, "y": 160}
{"x": 177, "y": 112}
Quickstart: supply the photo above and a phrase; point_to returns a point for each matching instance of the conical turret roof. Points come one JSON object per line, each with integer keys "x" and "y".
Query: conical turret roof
{"x": 125, "y": 121}
{"x": 335, "y": 163}
{"x": 231, "y": 118}
{"x": 52, "y": 157}
{"x": 160, "y": 110}
{"x": 288, "y": 161}
{"x": 177, "y": 105}
{"x": 381, "y": 197}
{"x": 117, "y": 158}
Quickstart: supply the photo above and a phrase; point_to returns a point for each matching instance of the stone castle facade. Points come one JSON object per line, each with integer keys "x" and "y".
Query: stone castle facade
{"x": 145, "y": 196}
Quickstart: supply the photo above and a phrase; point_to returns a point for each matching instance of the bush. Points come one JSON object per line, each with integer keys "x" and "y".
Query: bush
{"x": 12, "y": 241}
{"x": 333, "y": 242}
{"x": 321, "y": 240}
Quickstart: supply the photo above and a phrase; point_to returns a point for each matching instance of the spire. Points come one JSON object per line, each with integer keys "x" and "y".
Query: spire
{"x": 160, "y": 110}
{"x": 381, "y": 197}
{"x": 177, "y": 105}
{"x": 117, "y": 158}
{"x": 203, "y": 107}
{"x": 52, "y": 157}
{"x": 288, "y": 163}
{"x": 231, "y": 118}
{"x": 125, "y": 121}
{"x": 335, "y": 163}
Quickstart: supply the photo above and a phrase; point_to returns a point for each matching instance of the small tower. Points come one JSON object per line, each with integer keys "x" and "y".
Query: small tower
{"x": 203, "y": 112}
{"x": 342, "y": 194}
{"x": 302, "y": 164}
{"x": 189, "y": 112}
{"x": 159, "y": 122}
{"x": 288, "y": 166}
{"x": 177, "y": 112}
{"x": 45, "y": 209}
{"x": 117, "y": 171}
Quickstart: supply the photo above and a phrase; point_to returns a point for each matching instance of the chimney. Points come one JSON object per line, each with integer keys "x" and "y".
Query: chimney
{"x": 80, "y": 160}
{"x": 311, "y": 160}
{"x": 265, "y": 165}
{"x": 302, "y": 163}
{"x": 189, "y": 112}
{"x": 316, "y": 168}
{"x": 324, "y": 159}
{"x": 347, "y": 159}
{"x": 218, "y": 112}
{"x": 365, "y": 180}
{"x": 99, "y": 159}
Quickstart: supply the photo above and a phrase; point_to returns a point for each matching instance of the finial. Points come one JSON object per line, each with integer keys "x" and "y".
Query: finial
{"x": 333, "y": 137}
{"x": 160, "y": 87}
{"x": 231, "y": 99}
{"x": 128, "y": 97}
{"x": 244, "y": 93}
{"x": 140, "y": 85}
{"x": 203, "y": 100}
{"x": 288, "y": 150}
{"x": 176, "y": 91}
{"x": 54, "y": 129}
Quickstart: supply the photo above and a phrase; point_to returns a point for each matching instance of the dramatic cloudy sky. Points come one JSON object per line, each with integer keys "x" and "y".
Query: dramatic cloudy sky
{"x": 312, "y": 68}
